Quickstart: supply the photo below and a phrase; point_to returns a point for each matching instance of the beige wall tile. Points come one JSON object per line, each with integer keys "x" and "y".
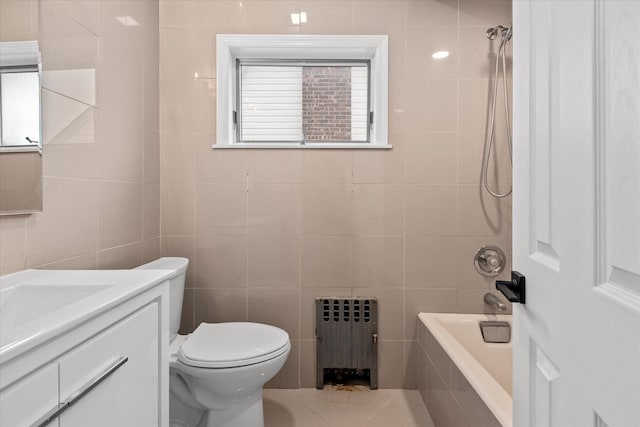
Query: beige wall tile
{"x": 83, "y": 262}
{"x": 308, "y": 364}
{"x": 474, "y": 102}
{"x": 150, "y": 211}
{"x": 274, "y": 261}
{"x": 326, "y": 166}
{"x": 288, "y": 376}
{"x": 176, "y": 12}
{"x": 224, "y": 16}
{"x": 424, "y": 13}
{"x": 188, "y": 312}
{"x": 431, "y": 209}
{"x": 378, "y": 209}
{"x": 218, "y": 166}
{"x": 151, "y": 249}
{"x": 422, "y": 116}
{"x": 15, "y": 15}
{"x": 390, "y": 364}
{"x": 481, "y": 214}
{"x": 471, "y": 152}
{"x": 12, "y": 244}
{"x": 204, "y": 105}
{"x": 426, "y": 300}
{"x": 221, "y": 209}
{"x": 220, "y": 305}
{"x": 326, "y": 210}
{"x": 326, "y": 17}
{"x": 380, "y": 166}
{"x": 477, "y": 53}
{"x": 120, "y": 149}
{"x": 422, "y": 43}
{"x": 205, "y": 46}
{"x": 485, "y": 13}
{"x": 182, "y": 246}
{"x": 397, "y": 110}
{"x": 221, "y": 262}
{"x": 276, "y": 306}
{"x": 274, "y": 166}
{"x": 272, "y": 17}
{"x": 176, "y": 104}
{"x": 177, "y": 52}
{"x": 379, "y": 15}
{"x": 177, "y": 158}
{"x": 410, "y": 379}
{"x": 326, "y": 261}
{"x": 177, "y": 209}
{"x": 119, "y": 213}
{"x": 378, "y": 261}
{"x": 121, "y": 257}
{"x": 69, "y": 217}
{"x": 431, "y": 262}
{"x": 274, "y": 209}
{"x": 431, "y": 158}
{"x": 151, "y": 155}
{"x": 123, "y": 71}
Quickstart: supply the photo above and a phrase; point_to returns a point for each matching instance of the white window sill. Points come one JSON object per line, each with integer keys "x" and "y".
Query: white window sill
{"x": 290, "y": 145}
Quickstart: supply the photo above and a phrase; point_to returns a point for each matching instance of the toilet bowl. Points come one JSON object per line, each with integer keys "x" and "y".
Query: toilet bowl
{"x": 218, "y": 371}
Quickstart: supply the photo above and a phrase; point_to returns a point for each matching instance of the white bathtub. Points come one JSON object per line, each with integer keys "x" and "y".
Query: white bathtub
{"x": 464, "y": 381}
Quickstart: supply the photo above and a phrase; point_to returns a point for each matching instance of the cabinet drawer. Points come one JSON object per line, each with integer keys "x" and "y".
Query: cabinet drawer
{"x": 130, "y": 395}
{"x": 26, "y": 401}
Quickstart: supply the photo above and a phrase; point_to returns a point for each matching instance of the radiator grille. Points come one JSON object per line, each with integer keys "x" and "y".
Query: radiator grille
{"x": 346, "y": 336}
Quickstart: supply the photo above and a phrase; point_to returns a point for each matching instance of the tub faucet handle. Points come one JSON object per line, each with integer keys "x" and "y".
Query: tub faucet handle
{"x": 493, "y": 301}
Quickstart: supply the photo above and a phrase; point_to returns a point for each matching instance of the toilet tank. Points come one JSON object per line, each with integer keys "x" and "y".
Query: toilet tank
{"x": 176, "y": 286}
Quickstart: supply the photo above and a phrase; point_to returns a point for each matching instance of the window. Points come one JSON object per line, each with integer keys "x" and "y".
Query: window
{"x": 302, "y": 91}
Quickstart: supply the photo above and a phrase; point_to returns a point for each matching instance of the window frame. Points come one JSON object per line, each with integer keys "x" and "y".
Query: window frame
{"x": 301, "y": 48}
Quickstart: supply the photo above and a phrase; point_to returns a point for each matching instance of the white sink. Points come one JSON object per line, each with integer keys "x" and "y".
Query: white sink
{"x": 20, "y": 305}
{"x": 38, "y": 305}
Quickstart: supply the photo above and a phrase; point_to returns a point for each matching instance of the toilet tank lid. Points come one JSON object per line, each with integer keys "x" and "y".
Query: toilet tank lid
{"x": 178, "y": 264}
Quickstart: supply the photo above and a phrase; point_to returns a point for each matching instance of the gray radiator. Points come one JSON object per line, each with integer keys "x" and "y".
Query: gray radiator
{"x": 347, "y": 337}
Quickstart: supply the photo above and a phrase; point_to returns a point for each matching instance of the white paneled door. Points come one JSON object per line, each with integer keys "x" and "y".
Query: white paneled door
{"x": 576, "y": 212}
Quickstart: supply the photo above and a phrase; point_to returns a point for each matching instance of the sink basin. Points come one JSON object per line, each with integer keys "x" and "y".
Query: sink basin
{"x": 39, "y": 305}
{"x": 21, "y": 305}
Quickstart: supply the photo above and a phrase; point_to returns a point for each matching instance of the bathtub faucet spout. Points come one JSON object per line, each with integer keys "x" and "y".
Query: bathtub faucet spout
{"x": 493, "y": 301}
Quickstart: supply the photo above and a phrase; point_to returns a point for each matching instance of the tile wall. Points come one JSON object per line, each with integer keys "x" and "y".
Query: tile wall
{"x": 101, "y": 133}
{"x": 269, "y": 230}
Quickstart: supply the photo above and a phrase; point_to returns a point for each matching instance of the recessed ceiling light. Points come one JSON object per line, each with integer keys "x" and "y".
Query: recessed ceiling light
{"x": 299, "y": 18}
{"x": 440, "y": 54}
{"x": 127, "y": 21}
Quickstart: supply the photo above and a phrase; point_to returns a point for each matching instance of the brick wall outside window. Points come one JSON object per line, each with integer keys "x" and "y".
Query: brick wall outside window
{"x": 326, "y": 103}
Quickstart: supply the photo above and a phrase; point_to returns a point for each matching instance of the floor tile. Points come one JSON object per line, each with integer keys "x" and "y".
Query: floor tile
{"x": 344, "y": 407}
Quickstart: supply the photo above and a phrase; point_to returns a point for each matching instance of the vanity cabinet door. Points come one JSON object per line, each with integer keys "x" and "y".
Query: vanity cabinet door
{"x": 25, "y": 402}
{"x": 128, "y": 393}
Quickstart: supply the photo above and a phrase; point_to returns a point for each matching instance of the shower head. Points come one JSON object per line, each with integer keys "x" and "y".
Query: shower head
{"x": 492, "y": 33}
{"x": 505, "y": 32}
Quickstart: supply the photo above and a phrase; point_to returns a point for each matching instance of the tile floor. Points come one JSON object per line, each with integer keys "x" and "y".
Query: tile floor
{"x": 340, "y": 407}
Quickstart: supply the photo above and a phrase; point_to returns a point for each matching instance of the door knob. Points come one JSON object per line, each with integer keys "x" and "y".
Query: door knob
{"x": 514, "y": 289}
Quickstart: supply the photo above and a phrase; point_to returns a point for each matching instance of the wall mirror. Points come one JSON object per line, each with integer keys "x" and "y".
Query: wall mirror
{"x": 20, "y": 128}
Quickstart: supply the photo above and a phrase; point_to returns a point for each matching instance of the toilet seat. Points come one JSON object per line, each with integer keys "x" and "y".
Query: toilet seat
{"x": 233, "y": 344}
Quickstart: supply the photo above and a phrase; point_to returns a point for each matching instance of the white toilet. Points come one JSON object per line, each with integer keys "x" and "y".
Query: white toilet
{"x": 217, "y": 372}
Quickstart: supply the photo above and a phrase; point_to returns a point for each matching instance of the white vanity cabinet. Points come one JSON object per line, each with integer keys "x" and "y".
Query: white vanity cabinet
{"x": 109, "y": 370}
{"x": 129, "y": 395}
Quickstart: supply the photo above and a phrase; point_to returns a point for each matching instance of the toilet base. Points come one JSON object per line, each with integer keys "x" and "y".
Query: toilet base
{"x": 245, "y": 413}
